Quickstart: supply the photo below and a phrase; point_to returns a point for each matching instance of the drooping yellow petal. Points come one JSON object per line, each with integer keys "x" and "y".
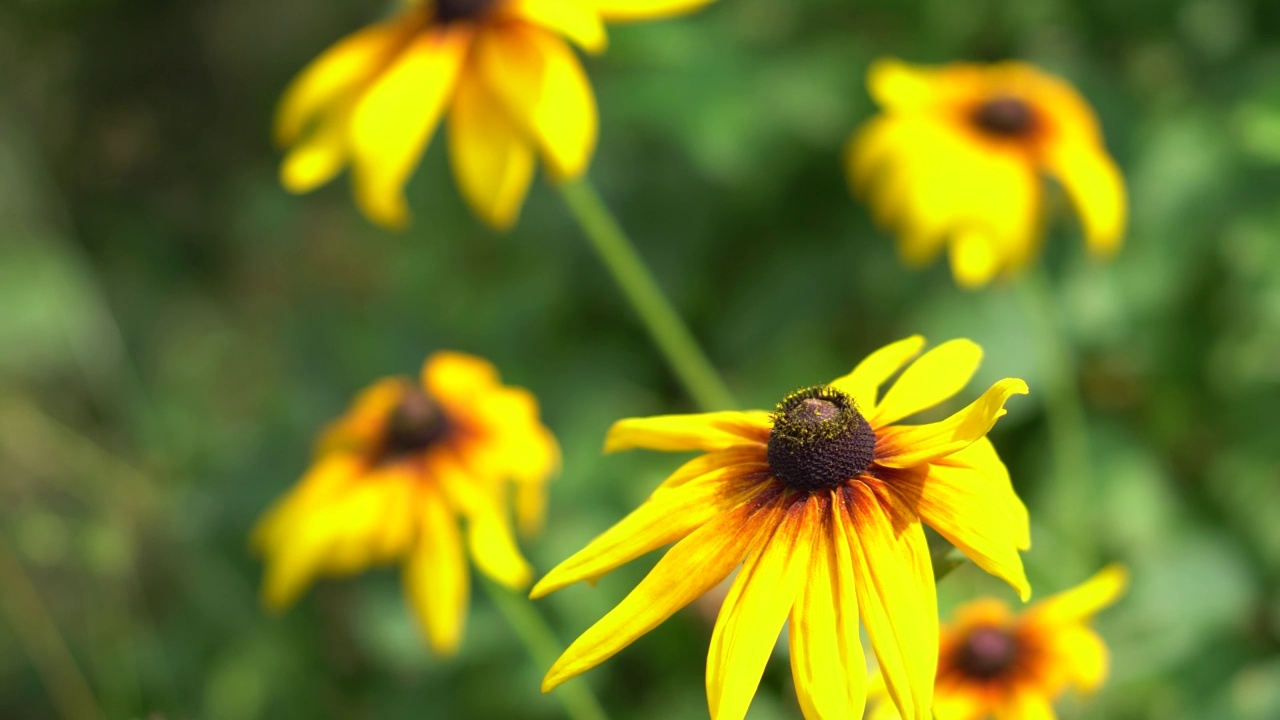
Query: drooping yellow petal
{"x": 703, "y": 431}
{"x": 328, "y": 477}
{"x": 394, "y": 119}
{"x": 981, "y": 457}
{"x": 544, "y": 89}
{"x": 436, "y": 582}
{"x": 1096, "y": 187}
{"x": 492, "y": 159}
{"x": 864, "y": 382}
{"x": 688, "y": 570}
{"x": 493, "y": 547}
{"x": 904, "y": 446}
{"x": 896, "y": 594}
{"x": 577, "y": 20}
{"x": 975, "y": 258}
{"x": 755, "y": 609}
{"x": 633, "y": 10}
{"x": 319, "y": 157}
{"x": 827, "y": 664}
{"x": 664, "y": 518}
{"x": 1081, "y": 602}
{"x": 932, "y": 379}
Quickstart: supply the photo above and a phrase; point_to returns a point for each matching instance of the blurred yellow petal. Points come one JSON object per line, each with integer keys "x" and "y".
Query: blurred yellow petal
{"x": 319, "y": 157}
{"x": 755, "y": 609}
{"x": 864, "y": 382}
{"x": 904, "y": 446}
{"x": 541, "y": 83}
{"x": 688, "y": 570}
{"x": 896, "y": 596}
{"x": 393, "y": 121}
{"x": 932, "y": 379}
{"x": 632, "y": 10}
{"x": 1096, "y": 188}
{"x": 492, "y": 160}
{"x": 896, "y": 85}
{"x": 703, "y": 431}
{"x": 436, "y": 581}
{"x": 1083, "y": 601}
{"x": 975, "y": 259}
{"x": 493, "y": 547}
{"x": 455, "y": 378}
{"x": 577, "y": 20}
{"x": 664, "y": 518}
{"x": 1026, "y": 704}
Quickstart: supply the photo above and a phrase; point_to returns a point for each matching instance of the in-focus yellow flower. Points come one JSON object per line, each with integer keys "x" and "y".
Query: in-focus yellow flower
{"x": 394, "y": 475}
{"x": 956, "y": 158}
{"x": 821, "y": 502}
{"x": 512, "y": 87}
{"x": 995, "y": 664}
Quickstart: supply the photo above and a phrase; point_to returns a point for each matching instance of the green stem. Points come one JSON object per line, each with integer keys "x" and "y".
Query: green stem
{"x": 1069, "y": 494}
{"x": 666, "y": 328}
{"x": 543, "y": 648}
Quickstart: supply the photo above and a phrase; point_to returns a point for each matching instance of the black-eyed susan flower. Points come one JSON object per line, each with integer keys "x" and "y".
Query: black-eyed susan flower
{"x": 995, "y": 664}
{"x": 955, "y": 160}
{"x": 822, "y": 503}
{"x": 513, "y": 90}
{"x": 396, "y": 477}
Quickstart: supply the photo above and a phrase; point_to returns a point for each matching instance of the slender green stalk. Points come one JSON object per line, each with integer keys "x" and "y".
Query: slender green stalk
{"x": 543, "y": 648}
{"x": 1069, "y": 494}
{"x": 666, "y": 328}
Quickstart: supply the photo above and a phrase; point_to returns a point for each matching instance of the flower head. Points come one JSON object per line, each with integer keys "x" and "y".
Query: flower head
{"x": 512, "y": 88}
{"x": 956, "y": 157}
{"x": 392, "y": 478}
{"x": 821, "y": 502}
{"x": 997, "y": 664}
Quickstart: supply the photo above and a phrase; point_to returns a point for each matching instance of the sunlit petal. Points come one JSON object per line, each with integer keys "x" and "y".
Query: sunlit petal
{"x": 632, "y": 10}
{"x": 932, "y": 379}
{"x": 704, "y": 431}
{"x": 493, "y": 161}
{"x": 864, "y": 382}
{"x": 904, "y": 446}
{"x": 577, "y": 20}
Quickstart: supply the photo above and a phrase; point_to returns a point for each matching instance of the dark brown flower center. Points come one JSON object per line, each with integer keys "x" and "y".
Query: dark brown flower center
{"x": 448, "y": 11}
{"x": 988, "y": 652}
{"x": 1005, "y": 117}
{"x": 415, "y": 424}
{"x": 819, "y": 440}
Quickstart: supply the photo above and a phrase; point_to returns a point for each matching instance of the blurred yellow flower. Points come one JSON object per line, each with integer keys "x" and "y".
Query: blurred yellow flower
{"x": 392, "y": 478}
{"x": 512, "y": 87}
{"x": 821, "y": 502}
{"x": 994, "y": 664}
{"x": 956, "y": 156}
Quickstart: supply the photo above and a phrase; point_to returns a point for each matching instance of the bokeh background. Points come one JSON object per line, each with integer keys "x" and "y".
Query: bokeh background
{"x": 175, "y": 328}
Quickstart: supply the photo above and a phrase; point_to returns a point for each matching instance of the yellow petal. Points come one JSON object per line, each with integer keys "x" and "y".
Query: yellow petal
{"x": 632, "y": 10}
{"x": 1096, "y": 187}
{"x": 975, "y": 258}
{"x": 932, "y": 379}
{"x": 531, "y": 508}
{"x": 664, "y": 518}
{"x": 864, "y": 382}
{"x": 1081, "y": 655}
{"x": 544, "y": 89}
{"x": 492, "y": 160}
{"x": 435, "y": 577}
{"x": 321, "y": 156}
{"x": 703, "y": 431}
{"x": 688, "y": 570}
{"x": 455, "y": 378}
{"x": 329, "y": 476}
{"x": 394, "y": 119}
{"x": 755, "y": 609}
{"x": 904, "y": 446}
{"x": 1027, "y": 703}
{"x": 577, "y": 20}
{"x": 827, "y": 664}
{"x": 493, "y": 547}
{"x": 744, "y": 458}
{"x": 1081, "y": 602}
{"x": 897, "y": 85}
{"x": 981, "y": 456}
{"x": 896, "y": 595}
{"x": 338, "y": 71}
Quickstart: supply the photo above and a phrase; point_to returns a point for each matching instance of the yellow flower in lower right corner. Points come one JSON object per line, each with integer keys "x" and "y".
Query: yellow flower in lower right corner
{"x": 994, "y": 664}
{"x": 955, "y": 161}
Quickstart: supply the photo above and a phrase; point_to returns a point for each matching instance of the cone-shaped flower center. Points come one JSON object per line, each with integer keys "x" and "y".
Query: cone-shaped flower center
{"x": 1005, "y": 116}
{"x": 448, "y": 11}
{"x": 414, "y": 425}
{"x": 819, "y": 440}
{"x": 988, "y": 652}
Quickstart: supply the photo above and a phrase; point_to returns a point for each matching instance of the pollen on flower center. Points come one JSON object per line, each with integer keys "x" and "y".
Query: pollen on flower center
{"x": 987, "y": 652}
{"x": 447, "y": 11}
{"x": 415, "y": 424}
{"x": 819, "y": 440}
{"x": 1004, "y": 116}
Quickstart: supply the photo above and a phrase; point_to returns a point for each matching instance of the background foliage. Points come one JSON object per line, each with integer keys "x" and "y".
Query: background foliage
{"x": 175, "y": 329}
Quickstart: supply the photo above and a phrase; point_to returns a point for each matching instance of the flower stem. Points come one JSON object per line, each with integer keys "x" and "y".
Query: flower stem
{"x": 1064, "y": 414}
{"x": 579, "y": 703}
{"x": 666, "y": 328}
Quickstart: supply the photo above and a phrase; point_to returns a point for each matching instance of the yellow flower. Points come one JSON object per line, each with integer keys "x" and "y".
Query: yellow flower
{"x": 391, "y": 479}
{"x": 955, "y": 160}
{"x": 511, "y": 85}
{"x": 821, "y": 502}
{"x": 996, "y": 664}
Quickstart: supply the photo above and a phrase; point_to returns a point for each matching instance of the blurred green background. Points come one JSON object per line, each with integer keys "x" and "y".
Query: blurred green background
{"x": 175, "y": 328}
